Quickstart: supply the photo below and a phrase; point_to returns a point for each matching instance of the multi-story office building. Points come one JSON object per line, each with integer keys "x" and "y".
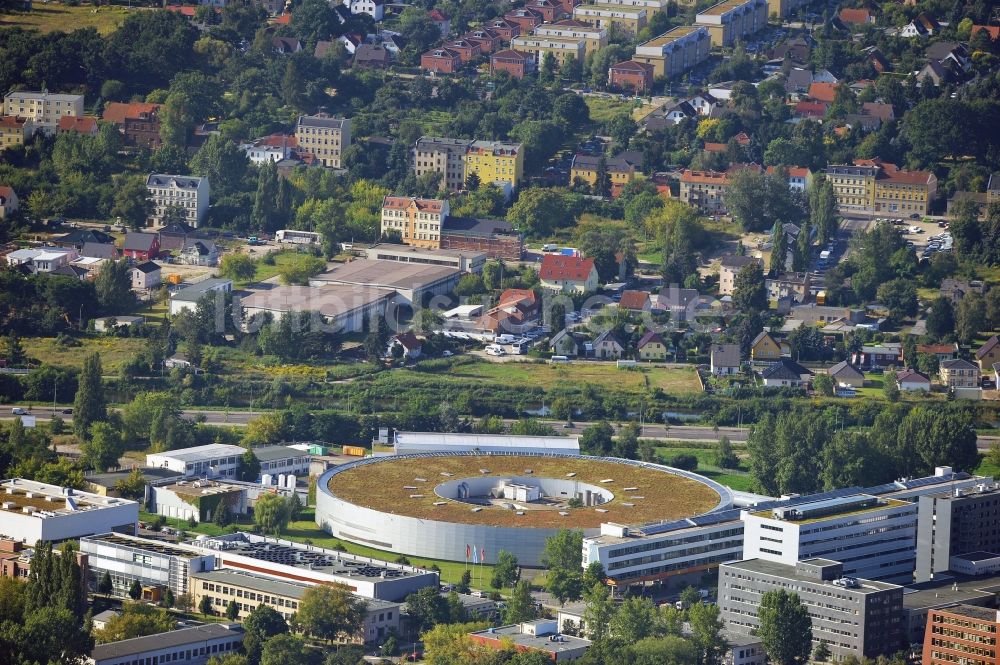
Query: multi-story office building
{"x": 675, "y": 51}
{"x": 953, "y": 523}
{"x": 855, "y": 617}
{"x": 250, "y": 591}
{"x": 215, "y": 460}
{"x": 733, "y": 20}
{"x": 962, "y": 635}
{"x": 559, "y": 47}
{"x": 873, "y": 186}
{"x": 186, "y": 646}
{"x": 434, "y": 154}
{"x": 594, "y": 38}
{"x": 178, "y": 192}
{"x": 497, "y": 162}
{"x": 872, "y": 536}
{"x": 631, "y": 555}
{"x": 155, "y": 564}
{"x": 418, "y": 221}
{"x": 625, "y": 19}
{"x": 43, "y": 108}
{"x": 325, "y": 137}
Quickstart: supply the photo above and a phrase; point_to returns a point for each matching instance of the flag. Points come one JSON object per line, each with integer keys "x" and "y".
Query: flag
{"x": 482, "y": 554}
{"x": 468, "y": 552}
{"x": 475, "y": 555}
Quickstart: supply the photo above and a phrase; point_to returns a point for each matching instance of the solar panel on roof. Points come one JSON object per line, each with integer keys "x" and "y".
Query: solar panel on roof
{"x": 882, "y": 489}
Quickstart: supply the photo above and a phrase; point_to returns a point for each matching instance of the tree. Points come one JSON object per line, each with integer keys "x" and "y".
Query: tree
{"x": 232, "y": 610}
{"x": 785, "y": 628}
{"x": 940, "y": 318}
{"x": 596, "y": 439}
{"x": 706, "y": 631}
{"x": 821, "y": 653}
{"x": 427, "y": 608}
{"x": 823, "y": 384}
{"x": 205, "y": 605}
{"x": 564, "y": 585}
{"x": 521, "y": 606}
{"x": 177, "y": 120}
{"x": 136, "y": 620}
{"x": 598, "y": 612}
{"x": 114, "y": 287}
{"x": 270, "y": 514}
{"x": 725, "y": 457}
{"x": 822, "y": 209}
{"x": 749, "y": 293}
{"x": 758, "y": 200}
{"x": 168, "y": 598}
{"x": 102, "y": 447}
{"x": 238, "y": 267}
{"x": 249, "y": 469}
{"x": 131, "y": 201}
{"x": 223, "y": 163}
{"x": 89, "y": 406}
{"x": 285, "y": 649}
{"x": 779, "y": 249}
{"x": 104, "y": 586}
{"x": 970, "y": 318}
{"x": 635, "y": 619}
{"x": 135, "y": 590}
{"x": 505, "y": 571}
{"x": 261, "y": 624}
{"x": 899, "y": 296}
{"x": 539, "y": 212}
{"x": 890, "y": 389}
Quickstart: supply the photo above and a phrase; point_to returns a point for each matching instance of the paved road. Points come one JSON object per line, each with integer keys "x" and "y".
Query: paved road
{"x": 692, "y": 433}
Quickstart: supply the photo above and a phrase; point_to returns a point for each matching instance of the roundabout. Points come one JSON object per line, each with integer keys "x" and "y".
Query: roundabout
{"x": 440, "y": 505}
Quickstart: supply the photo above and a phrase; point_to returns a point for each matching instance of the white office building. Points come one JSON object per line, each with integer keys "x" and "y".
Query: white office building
{"x": 153, "y": 563}
{"x": 874, "y": 537}
{"x": 31, "y": 512}
{"x": 187, "y": 299}
{"x": 216, "y": 460}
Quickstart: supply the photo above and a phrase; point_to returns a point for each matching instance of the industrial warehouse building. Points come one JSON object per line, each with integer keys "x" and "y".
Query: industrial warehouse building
{"x": 31, "y": 512}
{"x": 411, "y": 282}
{"x": 342, "y": 307}
{"x": 190, "y": 646}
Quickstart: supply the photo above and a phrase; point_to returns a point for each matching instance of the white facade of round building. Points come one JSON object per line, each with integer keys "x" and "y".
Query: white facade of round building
{"x": 448, "y": 540}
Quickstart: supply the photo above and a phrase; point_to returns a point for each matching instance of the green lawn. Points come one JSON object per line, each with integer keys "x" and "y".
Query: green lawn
{"x": 51, "y": 17}
{"x": 603, "y": 109}
{"x": 706, "y": 465}
{"x": 548, "y": 376}
{"x": 281, "y": 260}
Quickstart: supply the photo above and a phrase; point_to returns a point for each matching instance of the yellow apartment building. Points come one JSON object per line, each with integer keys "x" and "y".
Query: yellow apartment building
{"x": 497, "y": 162}
{"x": 593, "y": 38}
{"x": 325, "y": 137}
{"x": 559, "y": 47}
{"x": 14, "y": 131}
{"x": 733, "y": 20}
{"x": 626, "y": 19}
{"x": 675, "y": 51}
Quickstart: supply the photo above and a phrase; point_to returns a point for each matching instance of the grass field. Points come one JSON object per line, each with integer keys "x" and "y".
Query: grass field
{"x": 51, "y": 17}
{"x": 603, "y": 109}
{"x": 281, "y": 260}
{"x": 547, "y": 376}
{"x": 706, "y": 465}
{"x": 113, "y": 351}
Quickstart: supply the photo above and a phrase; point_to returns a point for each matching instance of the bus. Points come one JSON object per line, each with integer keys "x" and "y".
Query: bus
{"x": 298, "y": 237}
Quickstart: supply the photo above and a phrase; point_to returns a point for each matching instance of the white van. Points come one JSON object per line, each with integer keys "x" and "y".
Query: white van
{"x": 505, "y": 339}
{"x": 494, "y": 350}
{"x": 559, "y": 359}
{"x": 549, "y": 247}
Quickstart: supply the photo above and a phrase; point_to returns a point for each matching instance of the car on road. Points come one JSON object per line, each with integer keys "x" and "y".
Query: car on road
{"x": 915, "y": 215}
{"x": 915, "y": 229}
{"x": 446, "y": 354}
{"x": 494, "y": 350}
{"x": 67, "y": 411}
{"x": 19, "y": 411}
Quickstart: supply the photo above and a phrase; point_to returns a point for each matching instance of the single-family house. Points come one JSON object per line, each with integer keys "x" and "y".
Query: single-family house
{"x": 85, "y": 125}
{"x": 441, "y": 20}
{"x": 145, "y": 276}
{"x": 940, "y": 351}
{"x": 798, "y": 81}
{"x": 370, "y": 56}
{"x": 441, "y": 61}
{"x": 652, "y": 347}
{"x": 174, "y": 236}
{"x": 142, "y": 246}
{"x": 8, "y": 201}
{"x": 988, "y": 354}
{"x": 924, "y": 25}
{"x": 786, "y": 373}
{"x": 794, "y": 285}
{"x": 851, "y": 17}
{"x": 409, "y": 343}
{"x": 286, "y": 45}
{"x": 515, "y": 63}
{"x": 517, "y": 310}
{"x": 608, "y": 347}
{"x": 100, "y": 250}
{"x": 846, "y": 375}
{"x": 70, "y": 270}
{"x": 634, "y": 301}
{"x": 886, "y": 354}
{"x": 568, "y": 273}
{"x": 909, "y": 379}
{"x": 764, "y": 350}
{"x": 955, "y": 289}
{"x": 567, "y": 343}
{"x": 197, "y": 252}
{"x": 681, "y": 304}
{"x": 725, "y": 359}
{"x": 959, "y": 374}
